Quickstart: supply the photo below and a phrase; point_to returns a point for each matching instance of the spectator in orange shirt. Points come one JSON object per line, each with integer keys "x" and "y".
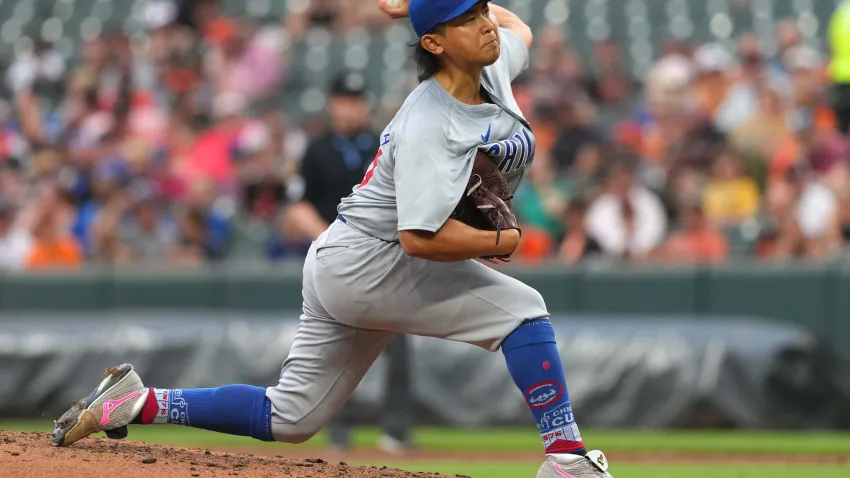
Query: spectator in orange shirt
{"x": 698, "y": 241}
{"x": 53, "y": 247}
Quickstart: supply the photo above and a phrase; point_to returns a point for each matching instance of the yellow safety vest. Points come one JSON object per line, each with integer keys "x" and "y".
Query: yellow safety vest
{"x": 839, "y": 44}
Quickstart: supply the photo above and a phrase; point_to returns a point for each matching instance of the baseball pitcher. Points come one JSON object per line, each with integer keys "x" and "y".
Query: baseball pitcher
{"x": 402, "y": 257}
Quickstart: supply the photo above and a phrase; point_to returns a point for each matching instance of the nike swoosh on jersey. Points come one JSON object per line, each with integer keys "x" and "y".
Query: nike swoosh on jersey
{"x": 486, "y": 137}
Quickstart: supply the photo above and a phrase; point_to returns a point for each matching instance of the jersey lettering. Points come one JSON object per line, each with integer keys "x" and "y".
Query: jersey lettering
{"x": 510, "y": 156}
{"x": 522, "y": 148}
{"x": 530, "y": 157}
{"x": 371, "y": 171}
{"x": 517, "y": 152}
{"x": 494, "y": 150}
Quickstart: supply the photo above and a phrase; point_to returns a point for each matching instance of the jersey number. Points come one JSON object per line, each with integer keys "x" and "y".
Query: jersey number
{"x": 371, "y": 170}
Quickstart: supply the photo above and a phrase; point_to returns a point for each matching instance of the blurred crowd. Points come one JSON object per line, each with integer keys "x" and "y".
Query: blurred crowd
{"x": 718, "y": 153}
{"x": 180, "y": 153}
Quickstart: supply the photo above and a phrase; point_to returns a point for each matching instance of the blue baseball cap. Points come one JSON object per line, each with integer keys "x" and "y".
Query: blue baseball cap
{"x": 427, "y": 14}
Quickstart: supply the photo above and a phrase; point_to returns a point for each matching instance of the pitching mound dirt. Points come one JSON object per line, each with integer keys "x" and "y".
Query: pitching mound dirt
{"x": 27, "y": 454}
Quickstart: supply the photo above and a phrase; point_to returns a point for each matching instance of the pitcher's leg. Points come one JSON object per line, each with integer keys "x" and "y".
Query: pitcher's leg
{"x": 121, "y": 399}
{"x": 325, "y": 365}
{"x": 460, "y": 301}
{"x": 327, "y": 361}
{"x": 469, "y": 302}
{"x": 534, "y": 363}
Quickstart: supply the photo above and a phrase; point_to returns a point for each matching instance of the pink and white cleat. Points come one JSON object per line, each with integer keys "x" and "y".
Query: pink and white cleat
{"x": 109, "y": 408}
{"x": 593, "y": 465}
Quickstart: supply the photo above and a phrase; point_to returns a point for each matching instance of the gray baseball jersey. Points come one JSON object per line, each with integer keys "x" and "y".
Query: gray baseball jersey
{"x": 360, "y": 287}
{"x": 425, "y": 158}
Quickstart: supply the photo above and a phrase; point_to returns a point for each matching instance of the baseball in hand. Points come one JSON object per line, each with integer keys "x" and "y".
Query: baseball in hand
{"x": 395, "y": 8}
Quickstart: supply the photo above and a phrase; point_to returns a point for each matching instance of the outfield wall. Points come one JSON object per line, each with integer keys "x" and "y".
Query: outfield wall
{"x": 743, "y": 345}
{"x": 816, "y": 297}
{"x": 627, "y": 371}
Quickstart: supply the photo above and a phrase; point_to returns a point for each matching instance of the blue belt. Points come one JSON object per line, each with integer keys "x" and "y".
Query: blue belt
{"x": 342, "y": 219}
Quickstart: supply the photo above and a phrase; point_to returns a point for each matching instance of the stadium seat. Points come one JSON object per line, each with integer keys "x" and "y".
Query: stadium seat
{"x": 640, "y": 26}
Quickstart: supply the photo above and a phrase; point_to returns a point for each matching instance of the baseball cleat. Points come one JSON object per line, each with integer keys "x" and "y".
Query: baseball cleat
{"x": 593, "y": 465}
{"x": 109, "y": 408}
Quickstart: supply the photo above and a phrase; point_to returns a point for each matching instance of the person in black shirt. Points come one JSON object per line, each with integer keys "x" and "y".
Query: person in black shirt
{"x": 332, "y": 165}
{"x": 336, "y": 161}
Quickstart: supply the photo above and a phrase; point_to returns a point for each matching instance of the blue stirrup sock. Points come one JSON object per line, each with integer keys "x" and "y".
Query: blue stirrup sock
{"x": 535, "y": 366}
{"x": 233, "y": 409}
